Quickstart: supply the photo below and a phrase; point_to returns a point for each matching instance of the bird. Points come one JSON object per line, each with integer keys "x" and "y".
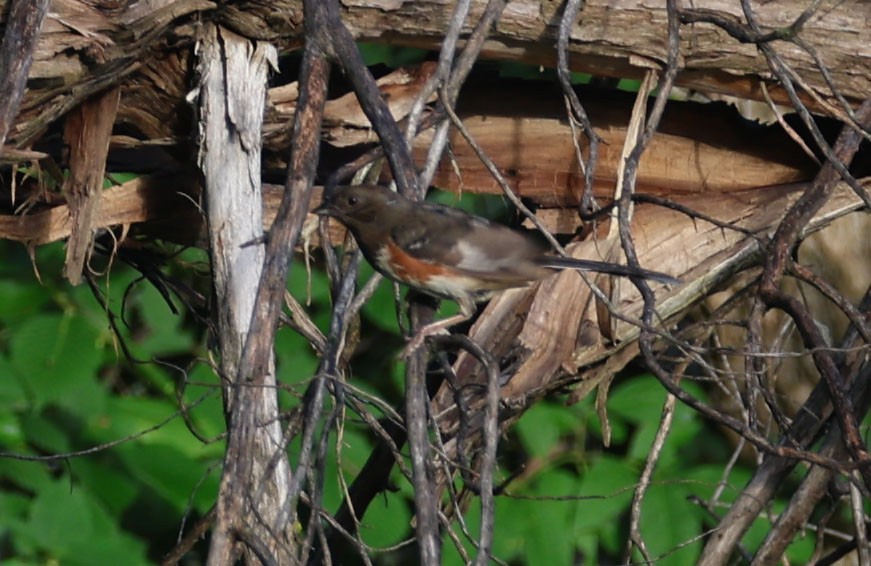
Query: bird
{"x": 448, "y": 253}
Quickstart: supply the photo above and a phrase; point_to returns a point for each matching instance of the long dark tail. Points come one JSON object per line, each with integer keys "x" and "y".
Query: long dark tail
{"x": 555, "y": 262}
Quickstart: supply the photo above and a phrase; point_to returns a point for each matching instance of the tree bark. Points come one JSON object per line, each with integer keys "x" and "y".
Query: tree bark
{"x": 84, "y": 47}
{"x": 256, "y": 474}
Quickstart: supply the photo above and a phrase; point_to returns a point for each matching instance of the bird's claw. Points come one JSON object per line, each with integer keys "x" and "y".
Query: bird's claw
{"x": 418, "y": 339}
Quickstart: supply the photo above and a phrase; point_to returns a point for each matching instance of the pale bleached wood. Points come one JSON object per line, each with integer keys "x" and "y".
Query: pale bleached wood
{"x": 256, "y": 474}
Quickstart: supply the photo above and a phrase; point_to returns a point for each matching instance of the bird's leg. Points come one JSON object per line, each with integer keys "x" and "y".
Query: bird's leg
{"x": 467, "y": 309}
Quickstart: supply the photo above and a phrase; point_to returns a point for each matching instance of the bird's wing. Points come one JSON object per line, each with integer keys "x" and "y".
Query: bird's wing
{"x": 438, "y": 233}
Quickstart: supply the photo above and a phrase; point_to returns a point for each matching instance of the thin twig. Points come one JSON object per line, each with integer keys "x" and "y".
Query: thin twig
{"x": 490, "y": 432}
{"x": 569, "y": 17}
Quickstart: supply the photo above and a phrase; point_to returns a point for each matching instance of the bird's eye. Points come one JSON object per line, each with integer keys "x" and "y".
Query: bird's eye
{"x": 352, "y": 201}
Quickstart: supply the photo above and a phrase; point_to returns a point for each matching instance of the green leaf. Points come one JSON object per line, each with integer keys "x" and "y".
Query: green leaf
{"x": 205, "y": 405}
{"x": 90, "y": 398}
{"x": 56, "y": 358}
{"x": 579, "y": 78}
{"x": 686, "y": 436}
{"x": 71, "y": 527}
{"x": 118, "y": 178}
{"x": 802, "y": 548}
{"x": 669, "y": 522}
{"x": 311, "y": 287}
{"x": 12, "y": 394}
{"x": 355, "y": 449}
{"x": 159, "y": 332}
{"x": 619, "y": 427}
{"x": 642, "y": 440}
{"x": 59, "y": 517}
{"x": 115, "y": 546}
{"x": 587, "y": 546}
{"x": 512, "y": 521}
{"x": 638, "y": 400}
{"x": 545, "y": 514}
{"x": 27, "y": 476}
{"x": 112, "y": 489}
{"x": 163, "y": 378}
{"x": 608, "y": 484}
{"x": 629, "y": 85}
{"x": 171, "y": 474}
{"x": 13, "y": 505}
{"x": 43, "y": 432}
{"x": 703, "y": 480}
{"x": 20, "y": 300}
{"x": 127, "y": 416}
{"x": 541, "y": 427}
{"x": 525, "y": 528}
{"x": 387, "y": 521}
{"x": 11, "y": 433}
{"x": 49, "y": 260}
{"x": 295, "y": 358}
{"x": 380, "y": 309}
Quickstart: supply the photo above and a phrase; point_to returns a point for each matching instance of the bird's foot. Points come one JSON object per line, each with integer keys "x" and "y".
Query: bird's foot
{"x": 439, "y": 327}
{"x": 418, "y": 339}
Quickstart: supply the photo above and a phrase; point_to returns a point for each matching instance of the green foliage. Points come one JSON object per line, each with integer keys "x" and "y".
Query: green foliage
{"x": 574, "y": 507}
{"x": 65, "y": 386}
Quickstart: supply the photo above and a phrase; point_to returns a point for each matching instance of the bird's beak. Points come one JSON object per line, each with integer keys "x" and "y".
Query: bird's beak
{"x": 325, "y": 209}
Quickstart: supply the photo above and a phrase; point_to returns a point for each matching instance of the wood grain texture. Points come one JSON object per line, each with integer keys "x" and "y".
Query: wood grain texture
{"x": 86, "y": 132}
{"x": 550, "y": 330}
{"x": 83, "y": 49}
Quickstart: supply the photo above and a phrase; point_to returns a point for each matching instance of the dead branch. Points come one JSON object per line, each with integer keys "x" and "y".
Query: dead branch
{"x": 16, "y": 57}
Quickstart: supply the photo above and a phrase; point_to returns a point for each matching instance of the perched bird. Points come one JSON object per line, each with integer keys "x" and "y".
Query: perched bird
{"x": 447, "y": 252}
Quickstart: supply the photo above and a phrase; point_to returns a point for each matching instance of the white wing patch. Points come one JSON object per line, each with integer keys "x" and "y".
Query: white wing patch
{"x": 475, "y": 258}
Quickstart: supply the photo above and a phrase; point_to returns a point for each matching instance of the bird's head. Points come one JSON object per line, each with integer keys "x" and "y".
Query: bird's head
{"x": 359, "y": 205}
